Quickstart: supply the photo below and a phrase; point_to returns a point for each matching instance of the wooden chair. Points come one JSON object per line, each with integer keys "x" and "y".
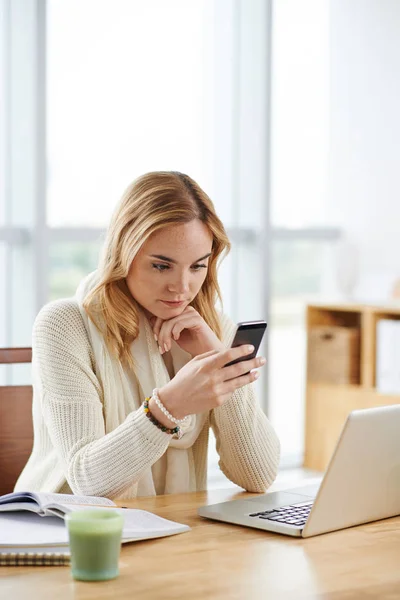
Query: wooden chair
{"x": 16, "y": 429}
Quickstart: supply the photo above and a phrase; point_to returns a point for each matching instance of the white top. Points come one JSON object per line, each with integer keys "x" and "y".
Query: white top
{"x": 75, "y": 450}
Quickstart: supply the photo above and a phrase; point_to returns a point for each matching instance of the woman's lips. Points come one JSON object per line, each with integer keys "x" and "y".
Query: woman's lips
{"x": 173, "y": 304}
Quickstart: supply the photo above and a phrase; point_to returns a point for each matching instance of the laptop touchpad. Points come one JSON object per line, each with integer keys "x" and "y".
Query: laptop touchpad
{"x": 275, "y": 499}
{"x": 307, "y": 490}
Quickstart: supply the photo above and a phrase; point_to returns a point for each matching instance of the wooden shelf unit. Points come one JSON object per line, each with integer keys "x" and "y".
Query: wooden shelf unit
{"x": 327, "y": 404}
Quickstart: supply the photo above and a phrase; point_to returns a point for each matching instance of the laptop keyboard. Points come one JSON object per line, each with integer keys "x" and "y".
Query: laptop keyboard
{"x": 295, "y": 514}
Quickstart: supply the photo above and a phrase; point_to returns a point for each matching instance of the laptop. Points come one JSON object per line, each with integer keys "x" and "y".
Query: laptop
{"x": 361, "y": 484}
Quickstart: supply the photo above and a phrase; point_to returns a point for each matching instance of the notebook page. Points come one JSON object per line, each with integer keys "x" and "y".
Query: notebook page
{"x": 70, "y": 499}
{"x": 18, "y": 497}
{"x": 13, "y": 506}
{"x": 27, "y": 529}
{"x": 141, "y": 523}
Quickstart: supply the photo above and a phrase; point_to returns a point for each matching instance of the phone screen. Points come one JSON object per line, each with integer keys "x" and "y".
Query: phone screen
{"x": 250, "y": 332}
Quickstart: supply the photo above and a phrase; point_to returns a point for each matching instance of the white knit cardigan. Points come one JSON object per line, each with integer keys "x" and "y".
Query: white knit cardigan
{"x": 75, "y": 451}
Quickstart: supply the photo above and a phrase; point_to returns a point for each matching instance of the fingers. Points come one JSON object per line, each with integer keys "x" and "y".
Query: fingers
{"x": 164, "y": 336}
{"x": 233, "y": 384}
{"x": 206, "y": 355}
{"x": 231, "y": 354}
{"x": 162, "y": 331}
{"x": 171, "y": 329}
{"x": 156, "y": 327}
{"x": 241, "y": 368}
{"x": 176, "y": 330}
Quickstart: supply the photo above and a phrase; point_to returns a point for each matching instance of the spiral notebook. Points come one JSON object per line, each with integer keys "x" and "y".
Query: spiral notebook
{"x": 32, "y": 529}
{"x": 30, "y": 557}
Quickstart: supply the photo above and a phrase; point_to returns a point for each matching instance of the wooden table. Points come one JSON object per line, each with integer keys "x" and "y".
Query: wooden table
{"x": 218, "y": 560}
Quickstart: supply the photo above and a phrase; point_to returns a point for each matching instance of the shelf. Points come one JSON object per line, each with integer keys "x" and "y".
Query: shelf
{"x": 328, "y": 404}
{"x": 390, "y": 309}
{"x": 334, "y": 316}
{"x": 334, "y": 345}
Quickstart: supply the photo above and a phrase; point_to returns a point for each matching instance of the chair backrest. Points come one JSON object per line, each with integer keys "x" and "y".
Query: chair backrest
{"x": 16, "y": 428}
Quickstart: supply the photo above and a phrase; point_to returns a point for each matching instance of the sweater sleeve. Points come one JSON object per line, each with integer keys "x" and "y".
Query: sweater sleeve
{"x": 94, "y": 463}
{"x": 247, "y": 444}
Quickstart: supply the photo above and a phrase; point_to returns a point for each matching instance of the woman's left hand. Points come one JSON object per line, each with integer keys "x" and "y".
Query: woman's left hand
{"x": 190, "y": 332}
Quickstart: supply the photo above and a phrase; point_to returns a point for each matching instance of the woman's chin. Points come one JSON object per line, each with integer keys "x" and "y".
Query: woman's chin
{"x": 163, "y": 311}
{"x": 168, "y": 312}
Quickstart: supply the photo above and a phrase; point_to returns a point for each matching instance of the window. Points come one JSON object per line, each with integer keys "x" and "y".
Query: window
{"x": 3, "y": 151}
{"x": 70, "y": 262}
{"x": 168, "y": 85}
{"x": 298, "y": 276}
{"x": 302, "y": 246}
{"x": 134, "y": 99}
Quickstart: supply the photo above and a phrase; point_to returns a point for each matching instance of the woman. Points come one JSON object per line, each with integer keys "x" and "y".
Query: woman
{"x": 146, "y": 320}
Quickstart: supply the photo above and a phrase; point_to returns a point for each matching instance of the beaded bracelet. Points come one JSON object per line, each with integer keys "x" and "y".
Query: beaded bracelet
{"x": 166, "y": 412}
{"x": 176, "y": 430}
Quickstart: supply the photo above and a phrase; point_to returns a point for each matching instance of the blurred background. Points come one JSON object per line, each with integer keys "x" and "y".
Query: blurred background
{"x": 284, "y": 111}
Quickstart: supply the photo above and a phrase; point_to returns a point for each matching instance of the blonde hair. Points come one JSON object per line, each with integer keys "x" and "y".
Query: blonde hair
{"x": 153, "y": 201}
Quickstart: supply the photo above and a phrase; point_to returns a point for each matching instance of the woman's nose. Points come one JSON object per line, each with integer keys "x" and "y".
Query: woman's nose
{"x": 180, "y": 285}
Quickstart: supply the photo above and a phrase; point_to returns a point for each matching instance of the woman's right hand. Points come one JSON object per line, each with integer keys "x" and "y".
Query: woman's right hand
{"x": 205, "y": 383}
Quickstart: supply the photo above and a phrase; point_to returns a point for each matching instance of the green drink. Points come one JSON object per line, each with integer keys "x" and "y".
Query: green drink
{"x": 95, "y": 543}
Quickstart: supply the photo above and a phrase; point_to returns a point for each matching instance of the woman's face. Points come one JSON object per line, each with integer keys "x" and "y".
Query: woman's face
{"x": 170, "y": 268}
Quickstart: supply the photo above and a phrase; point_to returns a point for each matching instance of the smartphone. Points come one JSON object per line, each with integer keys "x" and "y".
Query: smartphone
{"x": 250, "y": 332}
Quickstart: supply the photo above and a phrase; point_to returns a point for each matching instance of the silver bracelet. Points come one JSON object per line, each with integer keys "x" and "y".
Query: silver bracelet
{"x": 166, "y": 412}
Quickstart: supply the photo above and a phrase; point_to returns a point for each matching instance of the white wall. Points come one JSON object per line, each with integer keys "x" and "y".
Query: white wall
{"x": 365, "y": 136}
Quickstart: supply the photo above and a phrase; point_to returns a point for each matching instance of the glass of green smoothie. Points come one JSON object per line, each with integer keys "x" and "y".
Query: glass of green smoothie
{"x": 95, "y": 543}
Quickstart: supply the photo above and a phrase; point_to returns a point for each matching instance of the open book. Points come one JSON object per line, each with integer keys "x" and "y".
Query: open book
{"x": 21, "y": 528}
{"x": 49, "y": 505}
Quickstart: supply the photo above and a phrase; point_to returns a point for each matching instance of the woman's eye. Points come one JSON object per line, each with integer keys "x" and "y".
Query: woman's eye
{"x": 198, "y": 267}
{"x": 160, "y": 267}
